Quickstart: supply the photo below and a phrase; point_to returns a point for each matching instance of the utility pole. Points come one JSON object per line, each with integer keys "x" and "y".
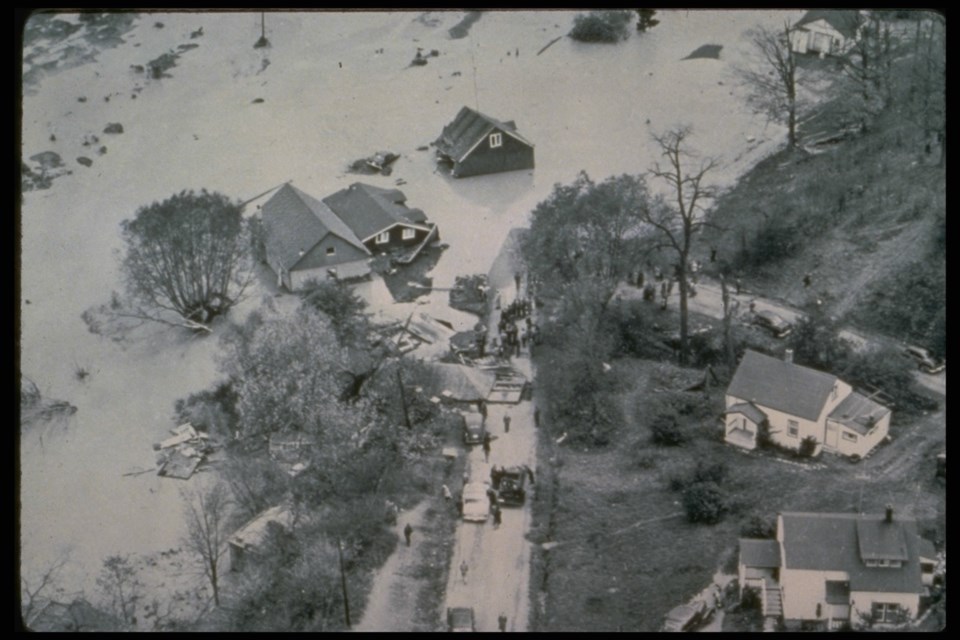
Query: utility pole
{"x": 262, "y": 42}
{"x": 343, "y": 584}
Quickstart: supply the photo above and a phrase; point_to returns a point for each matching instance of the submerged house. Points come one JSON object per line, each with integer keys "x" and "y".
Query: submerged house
{"x": 476, "y": 144}
{"x": 792, "y": 403}
{"x": 380, "y": 218}
{"x": 309, "y": 239}
{"x": 834, "y": 569}
{"x": 825, "y": 31}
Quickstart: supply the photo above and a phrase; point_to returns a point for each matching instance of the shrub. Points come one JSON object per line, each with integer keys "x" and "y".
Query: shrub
{"x": 707, "y": 472}
{"x": 704, "y": 502}
{"x": 757, "y": 526}
{"x": 808, "y": 446}
{"x": 601, "y": 26}
{"x": 665, "y": 428}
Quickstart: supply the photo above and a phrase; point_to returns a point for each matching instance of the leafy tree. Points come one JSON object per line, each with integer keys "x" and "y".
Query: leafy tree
{"x": 207, "y": 512}
{"x": 771, "y": 77}
{"x": 808, "y": 446}
{"x": 645, "y": 19}
{"x": 816, "y": 342}
{"x": 679, "y": 218}
{"x": 601, "y": 26}
{"x": 758, "y": 526}
{"x": 345, "y": 309}
{"x": 868, "y": 66}
{"x": 186, "y": 258}
{"x": 926, "y": 103}
{"x": 256, "y": 484}
{"x": 666, "y": 429}
{"x": 704, "y": 502}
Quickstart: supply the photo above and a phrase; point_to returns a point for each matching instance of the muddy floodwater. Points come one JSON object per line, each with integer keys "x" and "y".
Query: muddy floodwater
{"x": 332, "y": 87}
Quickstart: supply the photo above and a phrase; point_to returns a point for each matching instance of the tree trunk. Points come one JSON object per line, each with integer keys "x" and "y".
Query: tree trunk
{"x": 683, "y": 310}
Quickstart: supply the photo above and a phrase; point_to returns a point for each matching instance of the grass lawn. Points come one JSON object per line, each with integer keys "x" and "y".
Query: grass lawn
{"x": 622, "y": 562}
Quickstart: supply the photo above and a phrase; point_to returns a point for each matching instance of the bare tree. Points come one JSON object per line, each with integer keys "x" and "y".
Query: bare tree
{"x": 207, "y": 513}
{"x": 771, "y": 80}
{"x": 37, "y": 594}
{"x": 118, "y": 581}
{"x": 680, "y": 217}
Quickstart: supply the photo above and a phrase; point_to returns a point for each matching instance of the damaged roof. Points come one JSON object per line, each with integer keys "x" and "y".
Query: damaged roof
{"x": 858, "y": 413}
{"x": 367, "y": 210}
{"x": 464, "y": 384}
{"x": 469, "y": 128}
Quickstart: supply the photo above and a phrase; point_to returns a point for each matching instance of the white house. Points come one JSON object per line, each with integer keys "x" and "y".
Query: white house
{"x": 825, "y": 31}
{"x": 795, "y": 402}
{"x": 833, "y": 569}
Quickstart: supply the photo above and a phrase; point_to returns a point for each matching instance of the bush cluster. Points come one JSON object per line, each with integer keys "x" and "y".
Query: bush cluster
{"x": 601, "y": 26}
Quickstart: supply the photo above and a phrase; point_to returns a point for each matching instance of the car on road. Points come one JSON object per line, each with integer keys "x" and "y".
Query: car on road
{"x": 925, "y": 361}
{"x": 476, "y": 504}
{"x": 460, "y": 619}
{"x": 510, "y": 486}
{"x": 773, "y": 323}
{"x": 687, "y": 617}
{"x": 474, "y": 428}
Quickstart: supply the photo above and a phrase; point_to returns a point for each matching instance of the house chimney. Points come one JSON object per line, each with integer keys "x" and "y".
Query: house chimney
{"x": 889, "y": 517}
{"x": 788, "y": 355}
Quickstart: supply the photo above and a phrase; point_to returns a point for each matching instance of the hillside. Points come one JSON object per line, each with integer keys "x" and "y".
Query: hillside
{"x": 865, "y": 217}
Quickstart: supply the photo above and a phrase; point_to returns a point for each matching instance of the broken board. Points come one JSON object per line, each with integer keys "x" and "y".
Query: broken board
{"x": 179, "y": 466}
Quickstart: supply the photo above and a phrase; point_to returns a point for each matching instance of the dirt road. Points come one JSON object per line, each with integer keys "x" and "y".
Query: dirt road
{"x": 498, "y": 559}
{"x": 709, "y": 302}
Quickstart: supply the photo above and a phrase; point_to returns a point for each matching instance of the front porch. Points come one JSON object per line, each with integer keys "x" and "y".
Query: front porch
{"x": 741, "y": 438}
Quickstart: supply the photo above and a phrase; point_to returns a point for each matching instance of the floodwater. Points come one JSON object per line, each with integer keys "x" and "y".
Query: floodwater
{"x": 328, "y": 98}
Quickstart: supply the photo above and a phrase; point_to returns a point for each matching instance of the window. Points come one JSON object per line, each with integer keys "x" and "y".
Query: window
{"x": 496, "y": 140}
{"x": 408, "y": 233}
{"x": 852, "y": 437}
{"x": 331, "y": 251}
{"x": 793, "y": 428}
{"x": 383, "y": 238}
{"x": 885, "y": 612}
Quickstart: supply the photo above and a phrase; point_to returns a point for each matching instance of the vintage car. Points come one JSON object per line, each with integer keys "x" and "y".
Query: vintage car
{"x": 474, "y": 428}
{"x": 925, "y": 361}
{"x": 773, "y": 323}
{"x": 476, "y": 504}
{"x": 687, "y": 617}
{"x": 460, "y": 619}
{"x": 510, "y": 485}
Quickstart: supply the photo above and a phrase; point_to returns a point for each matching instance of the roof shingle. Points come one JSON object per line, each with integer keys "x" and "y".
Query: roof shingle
{"x": 784, "y": 386}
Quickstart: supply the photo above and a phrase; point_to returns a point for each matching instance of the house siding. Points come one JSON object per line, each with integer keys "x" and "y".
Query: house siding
{"x": 804, "y": 589}
{"x": 396, "y": 240}
{"x": 818, "y": 37}
{"x": 778, "y": 425}
{"x": 513, "y": 155}
{"x": 862, "y": 601}
{"x": 864, "y": 443}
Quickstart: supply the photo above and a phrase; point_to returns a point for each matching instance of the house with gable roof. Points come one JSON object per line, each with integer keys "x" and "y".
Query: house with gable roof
{"x": 792, "y": 402}
{"x": 825, "y": 31}
{"x": 834, "y": 569}
{"x": 476, "y": 144}
{"x": 310, "y": 239}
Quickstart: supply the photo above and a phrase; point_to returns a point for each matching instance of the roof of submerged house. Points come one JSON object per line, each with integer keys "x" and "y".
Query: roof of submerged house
{"x": 468, "y": 128}
{"x": 367, "y": 210}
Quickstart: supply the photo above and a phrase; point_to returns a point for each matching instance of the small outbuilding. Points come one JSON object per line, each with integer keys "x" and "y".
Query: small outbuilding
{"x": 825, "y": 31}
{"x": 476, "y": 144}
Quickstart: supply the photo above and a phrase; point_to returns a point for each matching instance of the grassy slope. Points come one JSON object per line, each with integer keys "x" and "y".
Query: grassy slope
{"x": 602, "y": 579}
{"x": 858, "y": 214}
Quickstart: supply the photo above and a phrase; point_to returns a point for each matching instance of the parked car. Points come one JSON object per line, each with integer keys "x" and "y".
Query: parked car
{"x": 773, "y": 323}
{"x": 510, "y": 486}
{"x": 476, "y": 504}
{"x": 460, "y": 619}
{"x": 925, "y": 361}
{"x": 474, "y": 428}
{"x": 686, "y": 617}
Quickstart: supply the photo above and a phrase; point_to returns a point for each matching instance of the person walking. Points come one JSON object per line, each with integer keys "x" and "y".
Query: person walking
{"x": 463, "y": 570}
{"x": 483, "y": 408}
{"x": 506, "y": 423}
{"x": 536, "y": 417}
{"x": 486, "y": 447}
{"x": 502, "y": 621}
{"x": 407, "y": 532}
{"x": 497, "y": 517}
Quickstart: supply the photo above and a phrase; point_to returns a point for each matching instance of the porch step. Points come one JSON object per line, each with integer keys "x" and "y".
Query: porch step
{"x": 774, "y": 606}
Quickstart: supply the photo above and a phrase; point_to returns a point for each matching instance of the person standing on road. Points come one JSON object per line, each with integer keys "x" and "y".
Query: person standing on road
{"x": 486, "y": 448}
{"x": 506, "y": 423}
{"x": 463, "y": 570}
{"x": 460, "y": 504}
{"x": 497, "y": 517}
{"x": 407, "y": 532}
{"x": 502, "y": 621}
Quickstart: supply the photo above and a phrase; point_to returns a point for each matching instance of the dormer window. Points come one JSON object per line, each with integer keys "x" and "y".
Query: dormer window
{"x": 408, "y": 233}
{"x": 496, "y": 140}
